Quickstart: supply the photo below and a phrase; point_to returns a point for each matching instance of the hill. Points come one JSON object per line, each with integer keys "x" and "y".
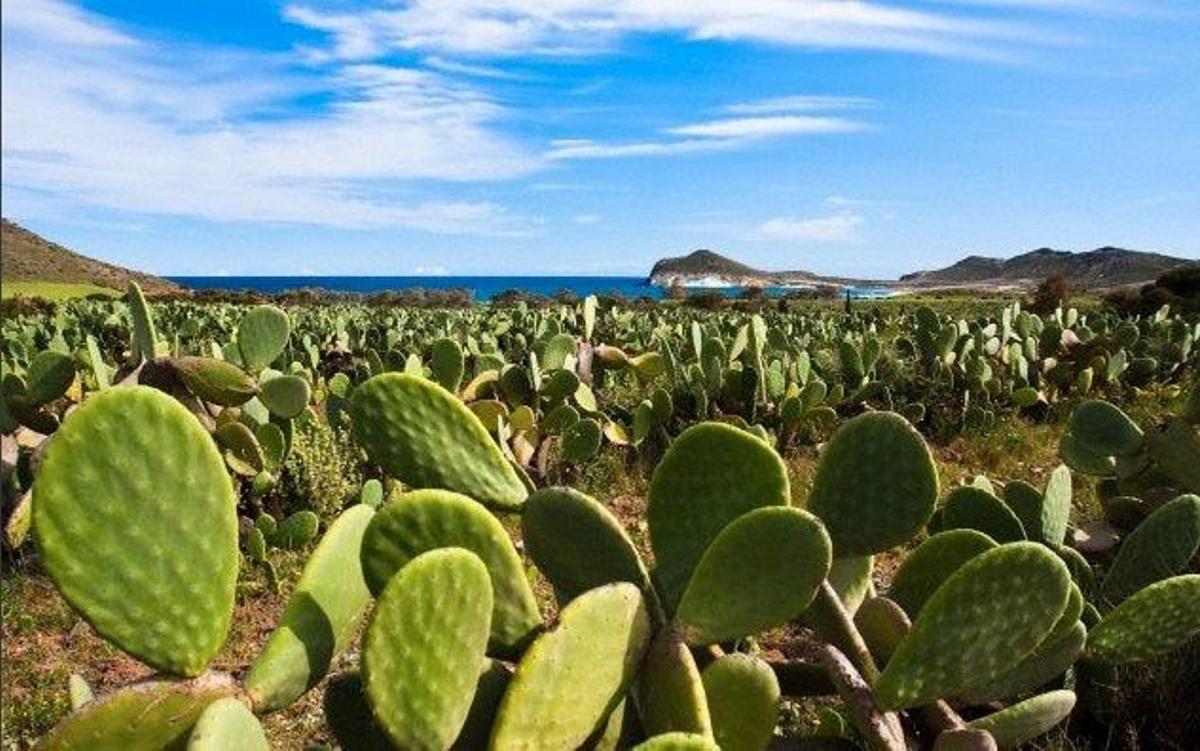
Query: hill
{"x": 26, "y": 258}
{"x": 1102, "y": 268}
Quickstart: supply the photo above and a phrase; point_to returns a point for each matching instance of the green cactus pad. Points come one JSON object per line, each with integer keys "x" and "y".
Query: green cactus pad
{"x": 743, "y": 701}
{"x": 1101, "y": 429}
{"x": 964, "y": 739}
{"x": 423, "y": 520}
{"x": 883, "y": 624}
{"x": 446, "y": 363}
{"x": 420, "y": 433}
{"x": 968, "y": 507}
{"x": 297, "y": 530}
{"x": 130, "y": 502}
{"x": 1013, "y": 726}
{"x": 1176, "y": 451}
{"x": 876, "y": 485}
{"x": 285, "y": 396}
{"x": 1161, "y": 546}
{"x": 570, "y": 679}
{"x": 851, "y": 579}
{"x": 712, "y": 474}
{"x": 670, "y": 696}
{"x": 933, "y": 561}
{"x": 1051, "y": 659}
{"x": 320, "y": 620}
{"x": 578, "y": 544}
{"x": 1078, "y": 458}
{"x": 1056, "y": 508}
{"x": 214, "y": 380}
{"x": 424, "y": 647}
{"x": 762, "y": 570}
{"x": 581, "y": 441}
{"x": 986, "y": 617}
{"x": 145, "y": 337}
{"x": 261, "y": 336}
{"x": 151, "y": 714}
{"x": 49, "y": 376}
{"x": 1152, "y": 621}
{"x": 227, "y": 724}
{"x": 677, "y": 742}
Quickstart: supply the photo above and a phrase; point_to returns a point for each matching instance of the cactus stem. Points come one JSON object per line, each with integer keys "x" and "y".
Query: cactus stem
{"x": 835, "y": 625}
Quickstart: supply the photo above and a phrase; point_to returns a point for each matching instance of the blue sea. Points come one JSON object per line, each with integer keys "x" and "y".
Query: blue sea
{"x": 482, "y": 288}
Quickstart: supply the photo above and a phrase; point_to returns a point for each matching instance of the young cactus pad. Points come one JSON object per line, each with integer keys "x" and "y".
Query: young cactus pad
{"x": 262, "y": 336}
{"x": 876, "y": 485}
{"x": 152, "y": 714}
{"x": 321, "y": 618}
{"x": 1153, "y": 621}
{"x": 131, "y": 505}
{"x": 571, "y": 678}
{"x": 743, "y": 701}
{"x": 424, "y": 647}
{"x": 762, "y": 570}
{"x": 712, "y": 474}
{"x": 578, "y": 544}
{"x": 423, "y": 435}
{"x": 981, "y": 622}
{"x": 228, "y": 724}
{"x": 424, "y": 520}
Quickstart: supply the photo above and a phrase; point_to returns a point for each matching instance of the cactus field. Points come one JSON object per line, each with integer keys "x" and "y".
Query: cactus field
{"x": 588, "y": 525}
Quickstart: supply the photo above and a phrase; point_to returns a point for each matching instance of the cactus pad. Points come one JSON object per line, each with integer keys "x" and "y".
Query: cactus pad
{"x": 423, "y": 435}
{"x": 226, "y": 724}
{"x": 285, "y": 396}
{"x": 214, "y": 380}
{"x": 677, "y": 742}
{"x": 969, "y": 507}
{"x": 935, "y": 559}
{"x": 876, "y": 485}
{"x": 1151, "y": 622}
{"x": 578, "y": 544}
{"x": 712, "y": 474}
{"x": 1101, "y": 429}
{"x": 424, "y": 647}
{"x": 423, "y": 520}
{"x": 985, "y": 618}
{"x": 130, "y": 502}
{"x": 851, "y": 579}
{"x": 762, "y": 570}
{"x": 1026, "y": 720}
{"x": 1161, "y": 546}
{"x": 150, "y": 714}
{"x": 670, "y": 696}
{"x": 261, "y": 336}
{"x": 743, "y": 701}
{"x": 320, "y": 620}
{"x": 570, "y": 679}
{"x": 1052, "y": 658}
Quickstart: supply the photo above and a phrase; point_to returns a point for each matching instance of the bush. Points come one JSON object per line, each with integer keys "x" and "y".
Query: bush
{"x": 1052, "y": 293}
{"x": 322, "y": 471}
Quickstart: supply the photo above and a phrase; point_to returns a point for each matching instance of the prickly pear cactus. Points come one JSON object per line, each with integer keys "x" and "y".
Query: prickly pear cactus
{"x": 145, "y": 337}
{"x": 933, "y": 561}
{"x": 130, "y": 501}
{"x": 423, "y": 435}
{"x": 712, "y": 474}
{"x": 968, "y": 507}
{"x": 320, "y": 620}
{"x": 215, "y": 381}
{"x": 1026, "y": 720}
{"x": 423, "y": 520}
{"x": 158, "y": 713}
{"x": 677, "y": 742}
{"x": 761, "y": 571}
{"x": 977, "y": 625}
{"x": 571, "y": 678}
{"x": 743, "y": 701}
{"x": 424, "y": 647}
{"x": 262, "y": 336}
{"x": 1152, "y": 621}
{"x": 1161, "y": 546}
{"x": 876, "y": 485}
{"x": 1102, "y": 429}
{"x": 1053, "y": 657}
{"x": 285, "y": 396}
{"x": 669, "y": 693}
{"x": 227, "y": 724}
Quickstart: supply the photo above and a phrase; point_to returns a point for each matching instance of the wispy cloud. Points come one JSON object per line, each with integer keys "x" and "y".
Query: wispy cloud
{"x": 800, "y": 103}
{"x": 839, "y": 228}
{"x": 124, "y": 123}
{"x": 767, "y": 127}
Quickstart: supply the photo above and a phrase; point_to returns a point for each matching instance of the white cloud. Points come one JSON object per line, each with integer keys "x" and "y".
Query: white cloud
{"x": 128, "y": 124}
{"x": 586, "y": 219}
{"x": 800, "y": 103}
{"x": 435, "y": 270}
{"x": 766, "y": 127}
{"x": 838, "y": 228}
{"x": 557, "y": 27}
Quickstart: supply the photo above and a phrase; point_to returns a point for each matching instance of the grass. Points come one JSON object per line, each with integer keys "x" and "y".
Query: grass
{"x": 53, "y": 290}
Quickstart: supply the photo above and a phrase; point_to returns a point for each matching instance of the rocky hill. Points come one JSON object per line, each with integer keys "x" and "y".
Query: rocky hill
{"x": 28, "y": 257}
{"x": 1102, "y": 268}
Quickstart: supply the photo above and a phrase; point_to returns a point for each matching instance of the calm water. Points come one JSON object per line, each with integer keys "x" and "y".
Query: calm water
{"x": 482, "y": 287}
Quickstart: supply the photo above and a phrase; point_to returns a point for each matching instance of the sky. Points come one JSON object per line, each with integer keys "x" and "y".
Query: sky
{"x": 592, "y": 137}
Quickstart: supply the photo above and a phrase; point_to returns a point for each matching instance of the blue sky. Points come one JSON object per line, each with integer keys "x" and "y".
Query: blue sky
{"x": 867, "y": 138}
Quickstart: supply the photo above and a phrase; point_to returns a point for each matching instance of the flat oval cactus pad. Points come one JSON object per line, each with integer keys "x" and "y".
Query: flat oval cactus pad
{"x": 876, "y": 485}
{"x": 985, "y": 618}
{"x": 228, "y": 724}
{"x": 423, "y": 435}
{"x": 136, "y": 522}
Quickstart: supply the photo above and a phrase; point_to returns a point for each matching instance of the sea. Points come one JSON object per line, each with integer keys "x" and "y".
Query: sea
{"x": 482, "y": 288}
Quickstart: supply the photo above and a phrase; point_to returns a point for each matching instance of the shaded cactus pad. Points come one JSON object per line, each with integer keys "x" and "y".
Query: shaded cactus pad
{"x": 228, "y": 724}
{"x": 131, "y": 503}
{"x": 876, "y": 485}
{"x": 1161, "y": 546}
{"x": 423, "y": 435}
{"x": 424, "y": 647}
{"x": 571, "y": 678}
{"x": 981, "y": 622}
{"x": 743, "y": 701}
{"x": 712, "y": 474}
{"x": 1153, "y": 621}
{"x": 424, "y": 520}
{"x": 933, "y": 561}
{"x": 1022, "y": 722}
{"x": 150, "y": 714}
